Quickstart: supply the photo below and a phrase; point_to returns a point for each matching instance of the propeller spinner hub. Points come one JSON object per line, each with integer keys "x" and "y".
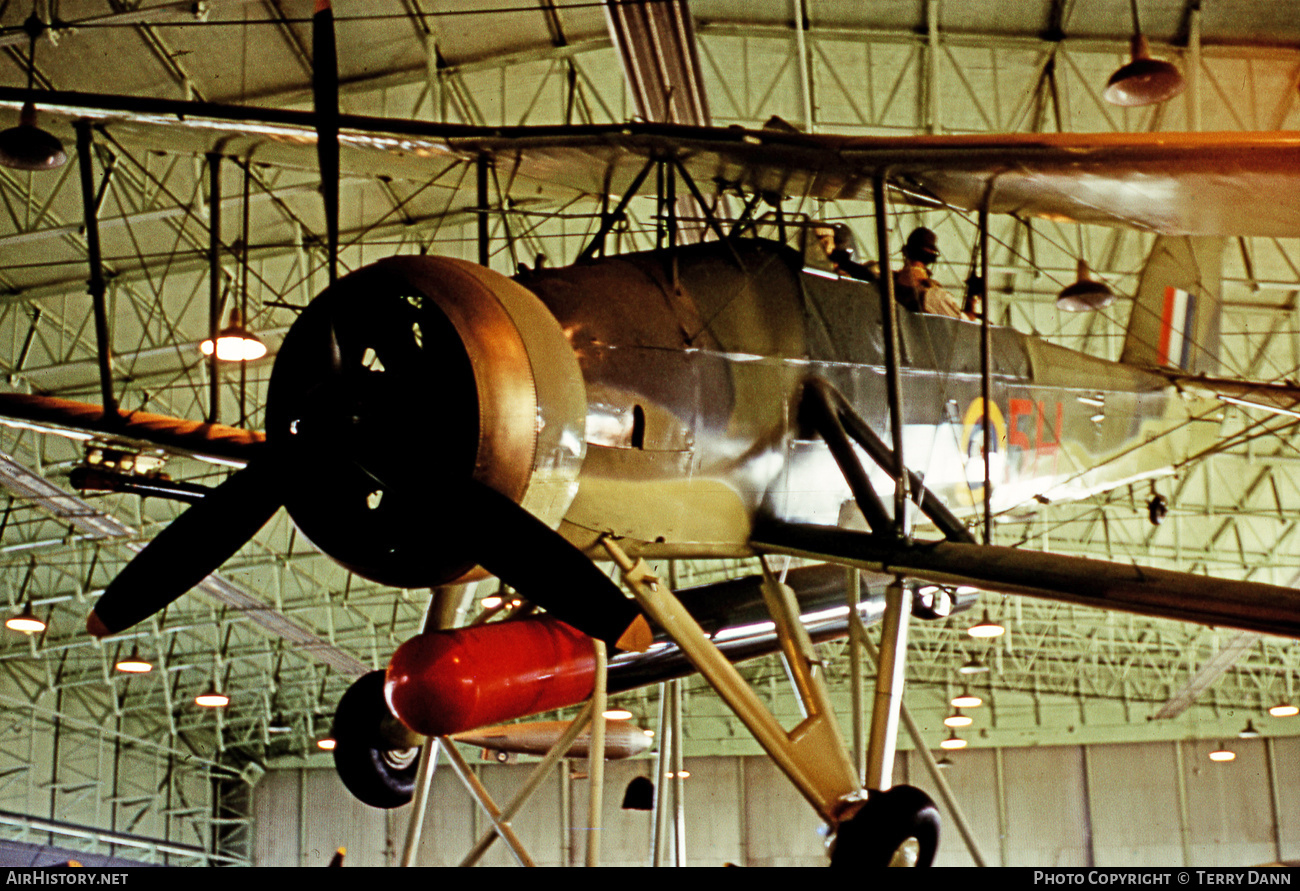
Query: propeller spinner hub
{"x": 398, "y": 386}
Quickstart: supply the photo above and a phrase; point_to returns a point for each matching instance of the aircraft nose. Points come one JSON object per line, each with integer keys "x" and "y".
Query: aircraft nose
{"x": 427, "y": 416}
{"x": 371, "y": 392}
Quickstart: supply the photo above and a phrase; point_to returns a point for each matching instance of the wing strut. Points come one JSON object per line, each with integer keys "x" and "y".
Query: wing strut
{"x": 837, "y": 422}
{"x": 90, "y": 204}
{"x": 893, "y": 350}
{"x": 986, "y": 367}
{"x": 611, "y": 219}
{"x": 824, "y": 408}
{"x": 891, "y": 672}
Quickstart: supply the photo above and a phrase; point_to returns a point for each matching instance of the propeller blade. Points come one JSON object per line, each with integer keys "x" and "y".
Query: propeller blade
{"x": 539, "y": 563}
{"x": 191, "y": 547}
{"x": 325, "y": 97}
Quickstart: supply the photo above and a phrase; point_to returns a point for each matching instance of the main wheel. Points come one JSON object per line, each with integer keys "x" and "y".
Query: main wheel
{"x": 897, "y": 827}
{"x": 374, "y": 768}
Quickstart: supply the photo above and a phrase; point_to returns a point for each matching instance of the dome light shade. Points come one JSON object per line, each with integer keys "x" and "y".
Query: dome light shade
{"x": 1144, "y": 80}
{"x": 26, "y": 621}
{"x": 133, "y": 664}
{"x": 973, "y": 666}
{"x": 327, "y": 744}
{"x": 1086, "y": 294}
{"x": 1222, "y": 754}
{"x": 966, "y": 699}
{"x": 212, "y": 699}
{"x": 986, "y": 628}
{"x": 235, "y": 343}
{"x": 953, "y": 742}
{"x": 28, "y": 147}
{"x": 957, "y": 719}
{"x": 1284, "y": 710}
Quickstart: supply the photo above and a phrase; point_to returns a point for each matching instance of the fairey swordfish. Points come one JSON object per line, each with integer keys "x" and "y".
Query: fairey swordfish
{"x": 713, "y": 400}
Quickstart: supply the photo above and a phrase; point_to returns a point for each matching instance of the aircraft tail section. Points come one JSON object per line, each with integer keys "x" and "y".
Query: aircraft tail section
{"x": 1175, "y": 320}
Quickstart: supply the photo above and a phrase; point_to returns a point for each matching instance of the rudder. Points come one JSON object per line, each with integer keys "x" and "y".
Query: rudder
{"x": 1176, "y": 313}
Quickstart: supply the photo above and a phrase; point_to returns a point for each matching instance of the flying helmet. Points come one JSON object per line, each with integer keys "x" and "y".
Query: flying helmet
{"x": 922, "y": 246}
{"x": 844, "y": 239}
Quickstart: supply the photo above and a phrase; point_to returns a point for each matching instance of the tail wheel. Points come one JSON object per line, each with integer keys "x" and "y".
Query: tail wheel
{"x": 374, "y": 768}
{"x": 897, "y": 827}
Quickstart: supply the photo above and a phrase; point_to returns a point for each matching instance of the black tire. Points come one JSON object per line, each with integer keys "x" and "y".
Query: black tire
{"x": 371, "y": 769}
{"x": 886, "y": 824}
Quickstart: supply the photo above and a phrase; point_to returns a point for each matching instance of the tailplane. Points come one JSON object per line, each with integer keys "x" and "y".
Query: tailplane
{"x": 1175, "y": 320}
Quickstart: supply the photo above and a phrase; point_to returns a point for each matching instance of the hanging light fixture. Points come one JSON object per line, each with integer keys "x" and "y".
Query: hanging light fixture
{"x": 1222, "y": 754}
{"x": 1248, "y": 732}
{"x": 1285, "y": 707}
{"x": 212, "y": 698}
{"x": 1144, "y": 80}
{"x": 957, "y": 719}
{"x": 235, "y": 343}
{"x": 326, "y": 744}
{"x": 966, "y": 699}
{"x": 973, "y": 665}
{"x": 1086, "y": 294}
{"x": 27, "y": 146}
{"x": 134, "y": 664}
{"x": 26, "y": 621}
{"x": 639, "y": 795}
{"x": 616, "y": 714}
{"x": 953, "y": 741}
{"x": 986, "y": 628}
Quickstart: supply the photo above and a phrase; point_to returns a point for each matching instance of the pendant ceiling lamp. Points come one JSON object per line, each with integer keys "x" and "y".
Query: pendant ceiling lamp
{"x": 1086, "y": 294}
{"x": 986, "y": 628}
{"x": 1144, "y": 80}
{"x": 26, "y": 621}
{"x": 27, "y": 146}
{"x": 134, "y": 663}
{"x": 235, "y": 343}
{"x": 973, "y": 665}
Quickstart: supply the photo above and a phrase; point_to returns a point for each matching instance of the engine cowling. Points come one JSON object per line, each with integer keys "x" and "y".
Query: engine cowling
{"x": 405, "y": 378}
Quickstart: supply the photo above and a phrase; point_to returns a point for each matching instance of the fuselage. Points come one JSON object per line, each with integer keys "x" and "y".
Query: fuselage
{"x": 694, "y": 362}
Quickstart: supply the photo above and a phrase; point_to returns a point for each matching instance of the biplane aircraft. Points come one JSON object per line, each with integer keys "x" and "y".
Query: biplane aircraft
{"x": 725, "y": 398}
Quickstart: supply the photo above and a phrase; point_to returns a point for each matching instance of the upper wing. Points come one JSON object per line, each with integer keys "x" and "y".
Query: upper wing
{"x": 1174, "y": 183}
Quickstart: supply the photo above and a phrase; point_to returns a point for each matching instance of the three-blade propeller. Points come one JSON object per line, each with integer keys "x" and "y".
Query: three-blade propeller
{"x": 340, "y": 403}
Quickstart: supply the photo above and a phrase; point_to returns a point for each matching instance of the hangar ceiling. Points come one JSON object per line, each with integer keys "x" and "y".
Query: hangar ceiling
{"x": 1060, "y": 674}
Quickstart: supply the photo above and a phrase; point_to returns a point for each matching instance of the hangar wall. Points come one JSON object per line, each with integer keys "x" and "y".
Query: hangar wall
{"x": 97, "y": 786}
{"x": 1143, "y": 804}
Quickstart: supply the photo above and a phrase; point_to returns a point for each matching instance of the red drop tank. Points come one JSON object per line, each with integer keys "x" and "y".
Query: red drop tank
{"x": 444, "y": 682}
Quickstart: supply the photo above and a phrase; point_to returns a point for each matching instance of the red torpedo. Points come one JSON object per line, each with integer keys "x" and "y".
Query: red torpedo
{"x": 444, "y": 682}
